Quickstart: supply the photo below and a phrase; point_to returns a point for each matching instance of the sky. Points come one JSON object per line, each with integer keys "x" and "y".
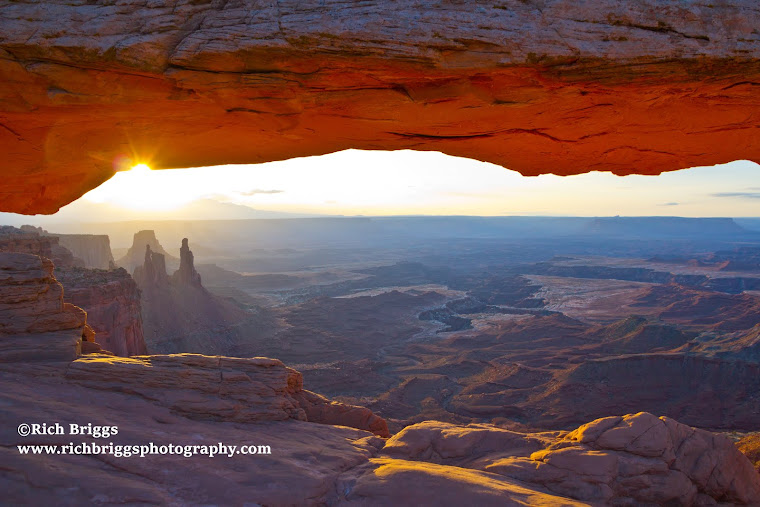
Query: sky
{"x": 355, "y": 182}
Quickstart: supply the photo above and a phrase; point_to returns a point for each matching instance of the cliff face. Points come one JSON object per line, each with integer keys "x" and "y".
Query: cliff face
{"x": 35, "y": 323}
{"x": 110, "y": 298}
{"x": 35, "y": 241}
{"x": 93, "y": 249}
{"x": 112, "y": 302}
{"x": 538, "y": 86}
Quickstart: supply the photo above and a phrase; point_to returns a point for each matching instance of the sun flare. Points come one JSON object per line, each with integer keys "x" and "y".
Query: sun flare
{"x": 140, "y": 168}
{"x": 141, "y": 188}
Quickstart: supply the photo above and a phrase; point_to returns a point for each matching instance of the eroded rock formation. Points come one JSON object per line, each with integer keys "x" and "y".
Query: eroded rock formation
{"x": 35, "y": 323}
{"x": 180, "y": 315}
{"x": 622, "y": 460}
{"x": 538, "y": 86}
{"x": 112, "y": 302}
{"x": 88, "y": 250}
{"x": 137, "y": 255}
{"x": 186, "y": 274}
{"x": 152, "y": 273}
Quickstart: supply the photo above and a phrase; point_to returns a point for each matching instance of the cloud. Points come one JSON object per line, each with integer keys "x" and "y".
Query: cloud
{"x": 669, "y": 204}
{"x": 741, "y": 195}
{"x": 260, "y": 191}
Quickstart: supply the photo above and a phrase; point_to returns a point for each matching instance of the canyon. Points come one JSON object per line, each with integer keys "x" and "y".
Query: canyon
{"x": 190, "y": 398}
{"x": 538, "y": 86}
{"x": 469, "y": 373}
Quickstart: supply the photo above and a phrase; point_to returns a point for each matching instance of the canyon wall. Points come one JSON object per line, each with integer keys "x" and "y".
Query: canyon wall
{"x": 93, "y": 249}
{"x": 112, "y": 301}
{"x": 109, "y": 297}
{"x": 87, "y": 250}
{"x": 35, "y": 241}
{"x": 545, "y": 86}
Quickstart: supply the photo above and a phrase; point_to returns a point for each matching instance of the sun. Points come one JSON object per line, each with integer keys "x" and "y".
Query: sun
{"x": 141, "y": 188}
{"x": 140, "y": 168}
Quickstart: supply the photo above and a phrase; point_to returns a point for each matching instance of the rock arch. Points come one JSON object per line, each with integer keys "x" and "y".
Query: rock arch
{"x": 539, "y": 86}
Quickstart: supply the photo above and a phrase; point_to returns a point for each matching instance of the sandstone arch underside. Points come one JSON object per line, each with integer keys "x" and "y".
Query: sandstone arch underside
{"x": 538, "y": 86}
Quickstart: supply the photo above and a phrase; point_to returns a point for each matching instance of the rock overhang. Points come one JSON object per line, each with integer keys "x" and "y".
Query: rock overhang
{"x": 536, "y": 86}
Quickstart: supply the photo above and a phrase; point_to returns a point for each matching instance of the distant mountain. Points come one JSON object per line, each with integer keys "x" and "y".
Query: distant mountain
{"x": 210, "y": 209}
{"x": 83, "y": 210}
{"x": 752, "y": 224}
{"x": 665, "y": 227}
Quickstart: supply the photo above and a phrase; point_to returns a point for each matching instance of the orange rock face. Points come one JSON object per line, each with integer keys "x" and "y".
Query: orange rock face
{"x": 562, "y": 87}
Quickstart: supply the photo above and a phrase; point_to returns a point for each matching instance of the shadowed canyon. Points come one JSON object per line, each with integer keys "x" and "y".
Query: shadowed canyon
{"x": 484, "y": 360}
{"x": 371, "y": 359}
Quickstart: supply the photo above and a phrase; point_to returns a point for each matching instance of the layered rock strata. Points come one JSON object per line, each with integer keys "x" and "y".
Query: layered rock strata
{"x": 35, "y": 323}
{"x": 32, "y": 240}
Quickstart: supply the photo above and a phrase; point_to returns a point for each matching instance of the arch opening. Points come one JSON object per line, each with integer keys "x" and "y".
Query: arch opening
{"x": 383, "y": 183}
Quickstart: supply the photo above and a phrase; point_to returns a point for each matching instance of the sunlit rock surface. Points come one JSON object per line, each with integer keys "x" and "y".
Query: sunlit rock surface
{"x": 556, "y": 86}
{"x": 638, "y": 459}
{"x": 750, "y": 446}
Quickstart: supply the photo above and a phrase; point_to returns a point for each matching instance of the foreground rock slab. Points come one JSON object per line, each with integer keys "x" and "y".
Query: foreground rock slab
{"x": 553, "y": 86}
{"x": 304, "y": 462}
{"x": 637, "y": 459}
{"x": 220, "y": 388}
